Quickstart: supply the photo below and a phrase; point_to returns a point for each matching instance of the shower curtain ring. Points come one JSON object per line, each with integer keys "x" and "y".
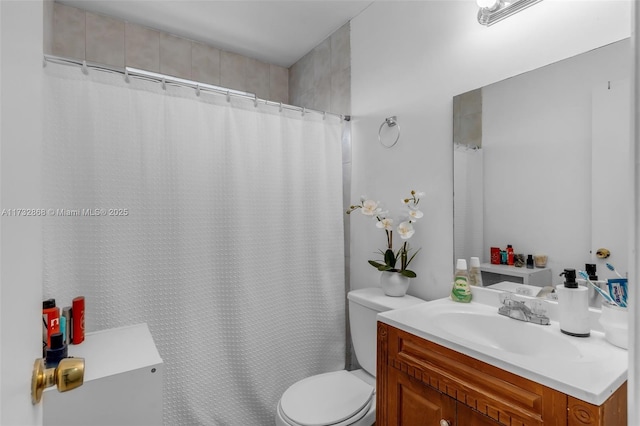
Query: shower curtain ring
{"x": 197, "y": 90}
{"x": 280, "y": 109}
{"x": 324, "y": 115}
{"x": 164, "y": 84}
{"x": 85, "y": 69}
{"x": 228, "y": 96}
{"x": 304, "y": 111}
{"x": 255, "y": 100}
{"x": 126, "y": 75}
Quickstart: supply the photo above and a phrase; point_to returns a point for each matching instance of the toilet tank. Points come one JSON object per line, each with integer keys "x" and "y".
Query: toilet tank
{"x": 364, "y": 305}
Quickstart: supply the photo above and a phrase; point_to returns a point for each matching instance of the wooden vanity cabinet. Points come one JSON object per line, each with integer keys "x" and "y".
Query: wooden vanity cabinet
{"x": 422, "y": 383}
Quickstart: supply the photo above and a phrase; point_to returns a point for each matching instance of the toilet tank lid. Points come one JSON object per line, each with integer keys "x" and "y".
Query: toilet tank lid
{"x": 375, "y": 299}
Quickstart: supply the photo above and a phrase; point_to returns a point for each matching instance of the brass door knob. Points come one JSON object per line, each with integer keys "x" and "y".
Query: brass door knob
{"x": 69, "y": 374}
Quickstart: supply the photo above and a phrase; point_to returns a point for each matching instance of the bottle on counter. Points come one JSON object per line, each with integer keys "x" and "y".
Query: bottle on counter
{"x": 460, "y": 292}
{"x": 475, "y": 275}
{"x": 530, "y": 261}
{"x": 510, "y": 258}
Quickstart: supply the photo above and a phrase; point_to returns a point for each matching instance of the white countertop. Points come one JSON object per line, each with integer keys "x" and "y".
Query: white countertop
{"x": 597, "y": 368}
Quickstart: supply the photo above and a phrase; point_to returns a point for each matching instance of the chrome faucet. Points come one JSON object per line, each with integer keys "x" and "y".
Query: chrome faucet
{"x": 519, "y": 310}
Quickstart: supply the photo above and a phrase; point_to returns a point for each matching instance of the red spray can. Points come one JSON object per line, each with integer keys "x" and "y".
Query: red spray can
{"x": 77, "y": 311}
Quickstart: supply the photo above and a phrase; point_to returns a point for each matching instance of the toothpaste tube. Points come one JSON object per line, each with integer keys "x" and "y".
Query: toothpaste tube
{"x": 618, "y": 290}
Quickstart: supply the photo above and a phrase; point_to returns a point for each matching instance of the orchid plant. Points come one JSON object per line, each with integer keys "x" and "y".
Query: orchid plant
{"x": 394, "y": 261}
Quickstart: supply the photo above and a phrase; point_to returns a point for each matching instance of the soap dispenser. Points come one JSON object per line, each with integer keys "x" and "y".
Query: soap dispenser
{"x": 573, "y": 302}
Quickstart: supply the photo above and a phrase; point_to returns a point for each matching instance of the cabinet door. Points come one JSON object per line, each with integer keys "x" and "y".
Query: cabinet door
{"x": 468, "y": 417}
{"x": 411, "y": 403}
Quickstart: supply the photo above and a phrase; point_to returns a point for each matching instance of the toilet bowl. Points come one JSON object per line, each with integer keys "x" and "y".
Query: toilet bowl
{"x": 338, "y": 398}
{"x": 342, "y": 398}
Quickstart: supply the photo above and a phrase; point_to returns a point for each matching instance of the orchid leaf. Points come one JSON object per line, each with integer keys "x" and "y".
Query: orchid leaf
{"x": 408, "y": 273}
{"x": 376, "y": 264}
{"x": 390, "y": 258}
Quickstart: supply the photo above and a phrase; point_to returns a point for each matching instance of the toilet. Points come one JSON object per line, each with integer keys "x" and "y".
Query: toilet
{"x": 344, "y": 397}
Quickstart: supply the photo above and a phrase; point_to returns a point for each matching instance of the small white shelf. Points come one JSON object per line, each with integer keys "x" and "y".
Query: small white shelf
{"x": 492, "y": 274}
{"x": 122, "y": 382}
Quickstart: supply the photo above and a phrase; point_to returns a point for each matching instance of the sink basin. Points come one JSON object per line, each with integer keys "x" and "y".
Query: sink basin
{"x": 589, "y": 369}
{"x": 506, "y": 334}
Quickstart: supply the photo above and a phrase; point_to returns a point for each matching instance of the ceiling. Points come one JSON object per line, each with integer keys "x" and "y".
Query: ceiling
{"x": 277, "y": 32}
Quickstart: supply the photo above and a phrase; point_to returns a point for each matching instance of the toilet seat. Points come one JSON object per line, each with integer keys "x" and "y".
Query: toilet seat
{"x": 336, "y": 399}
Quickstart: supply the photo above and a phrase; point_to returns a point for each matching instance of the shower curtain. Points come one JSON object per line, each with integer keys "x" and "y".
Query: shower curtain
{"x": 216, "y": 222}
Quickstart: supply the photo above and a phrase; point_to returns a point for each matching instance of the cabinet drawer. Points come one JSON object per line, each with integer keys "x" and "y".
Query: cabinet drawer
{"x": 504, "y": 397}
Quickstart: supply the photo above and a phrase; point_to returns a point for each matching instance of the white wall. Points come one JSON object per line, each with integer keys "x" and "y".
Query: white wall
{"x": 20, "y": 183}
{"x": 409, "y": 59}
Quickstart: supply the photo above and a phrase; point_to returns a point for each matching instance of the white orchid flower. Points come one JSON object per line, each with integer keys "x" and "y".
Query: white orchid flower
{"x": 415, "y": 214}
{"x": 419, "y": 194}
{"x": 406, "y": 231}
{"x": 370, "y": 208}
{"x": 385, "y": 223}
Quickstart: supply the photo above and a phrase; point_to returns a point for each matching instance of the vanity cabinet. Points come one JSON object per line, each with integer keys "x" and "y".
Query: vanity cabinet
{"x": 422, "y": 383}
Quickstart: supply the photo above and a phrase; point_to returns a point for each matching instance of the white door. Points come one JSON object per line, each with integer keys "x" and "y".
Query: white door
{"x": 21, "y": 29}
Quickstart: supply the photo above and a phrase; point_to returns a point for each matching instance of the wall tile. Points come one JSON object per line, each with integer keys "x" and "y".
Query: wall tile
{"x": 258, "y": 78}
{"x": 233, "y": 70}
{"x": 278, "y": 84}
{"x": 321, "y": 93}
{"x": 341, "y": 49}
{"x": 142, "y": 48}
{"x": 322, "y": 78}
{"x": 175, "y": 56}
{"x": 341, "y": 92}
{"x": 301, "y": 75}
{"x": 81, "y": 35}
{"x": 322, "y": 64}
{"x": 304, "y": 99}
{"x": 69, "y": 27}
{"x": 105, "y": 40}
{"x": 205, "y": 63}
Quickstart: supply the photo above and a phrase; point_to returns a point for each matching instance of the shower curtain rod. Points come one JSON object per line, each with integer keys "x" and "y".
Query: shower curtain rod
{"x": 128, "y": 72}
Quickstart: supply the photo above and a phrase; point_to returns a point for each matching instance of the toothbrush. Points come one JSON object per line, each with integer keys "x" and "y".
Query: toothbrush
{"x": 606, "y": 297}
{"x": 611, "y": 268}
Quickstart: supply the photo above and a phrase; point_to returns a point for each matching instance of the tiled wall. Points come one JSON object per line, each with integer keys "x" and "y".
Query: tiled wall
{"x": 321, "y": 80}
{"x": 97, "y": 38}
{"x": 467, "y": 119}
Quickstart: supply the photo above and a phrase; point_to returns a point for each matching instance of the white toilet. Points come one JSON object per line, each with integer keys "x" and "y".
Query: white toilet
{"x": 343, "y": 397}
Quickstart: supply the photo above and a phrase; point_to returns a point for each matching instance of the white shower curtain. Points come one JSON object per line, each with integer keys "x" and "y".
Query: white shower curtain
{"x": 231, "y": 247}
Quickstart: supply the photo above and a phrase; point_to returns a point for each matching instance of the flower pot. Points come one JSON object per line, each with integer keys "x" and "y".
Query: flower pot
{"x": 394, "y": 283}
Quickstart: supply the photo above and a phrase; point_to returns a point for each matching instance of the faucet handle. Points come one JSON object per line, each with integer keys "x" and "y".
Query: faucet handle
{"x": 538, "y": 307}
{"x": 505, "y": 298}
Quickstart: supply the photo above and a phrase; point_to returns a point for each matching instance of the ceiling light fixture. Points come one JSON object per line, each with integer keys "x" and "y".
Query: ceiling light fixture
{"x": 492, "y": 11}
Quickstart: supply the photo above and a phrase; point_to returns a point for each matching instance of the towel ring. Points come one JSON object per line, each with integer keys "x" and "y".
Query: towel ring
{"x": 390, "y": 122}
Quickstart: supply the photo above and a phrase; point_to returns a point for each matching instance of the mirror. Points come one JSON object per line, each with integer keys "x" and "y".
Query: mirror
{"x": 541, "y": 162}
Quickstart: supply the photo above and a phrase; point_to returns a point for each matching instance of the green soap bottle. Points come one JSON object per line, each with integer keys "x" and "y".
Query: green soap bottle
{"x": 461, "y": 292}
